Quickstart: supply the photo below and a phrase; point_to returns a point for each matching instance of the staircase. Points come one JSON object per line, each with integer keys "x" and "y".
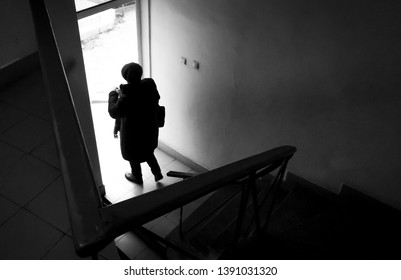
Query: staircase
{"x": 307, "y": 222}
{"x": 248, "y": 213}
{"x": 213, "y": 228}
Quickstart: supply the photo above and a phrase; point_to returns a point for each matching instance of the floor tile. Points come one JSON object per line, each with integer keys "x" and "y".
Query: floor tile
{"x": 51, "y": 206}
{"x": 113, "y": 167}
{"x": 8, "y": 155}
{"x": 110, "y": 252}
{"x": 163, "y": 227}
{"x": 28, "y": 134}
{"x": 168, "y": 180}
{"x": 7, "y": 209}
{"x": 146, "y": 172}
{"x": 136, "y": 190}
{"x": 14, "y": 92}
{"x": 133, "y": 192}
{"x": 118, "y": 186}
{"x": 150, "y": 185}
{"x": 30, "y": 95}
{"x": 63, "y": 250}
{"x": 177, "y": 166}
{"x": 10, "y": 115}
{"x": 26, "y": 179}
{"x": 163, "y": 158}
{"x": 27, "y": 237}
{"x": 148, "y": 254}
{"x": 47, "y": 152}
{"x": 119, "y": 237}
{"x": 131, "y": 245}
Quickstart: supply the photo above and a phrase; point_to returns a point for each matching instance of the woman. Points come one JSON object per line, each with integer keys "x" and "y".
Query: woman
{"x": 134, "y": 107}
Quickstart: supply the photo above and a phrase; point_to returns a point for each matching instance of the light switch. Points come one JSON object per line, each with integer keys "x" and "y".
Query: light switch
{"x": 195, "y": 64}
{"x": 183, "y": 60}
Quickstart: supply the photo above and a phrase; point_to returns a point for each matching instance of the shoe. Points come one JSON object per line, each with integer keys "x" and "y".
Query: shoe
{"x": 158, "y": 177}
{"x": 130, "y": 177}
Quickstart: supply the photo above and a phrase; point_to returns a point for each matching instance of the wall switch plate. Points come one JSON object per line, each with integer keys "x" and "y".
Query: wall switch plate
{"x": 183, "y": 60}
{"x": 195, "y": 64}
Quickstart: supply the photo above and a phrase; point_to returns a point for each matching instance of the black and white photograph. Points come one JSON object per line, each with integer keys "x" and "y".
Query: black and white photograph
{"x": 188, "y": 130}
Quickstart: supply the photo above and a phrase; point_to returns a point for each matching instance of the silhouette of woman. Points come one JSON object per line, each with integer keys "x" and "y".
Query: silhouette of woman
{"x": 134, "y": 106}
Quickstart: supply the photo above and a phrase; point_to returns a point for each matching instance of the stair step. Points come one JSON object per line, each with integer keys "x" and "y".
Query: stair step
{"x": 210, "y": 206}
{"x": 197, "y": 229}
{"x": 299, "y": 205}
{"x": 211, "y": 228}
{"x": 307, "y": 223}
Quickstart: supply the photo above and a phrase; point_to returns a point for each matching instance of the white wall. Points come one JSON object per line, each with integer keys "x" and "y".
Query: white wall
{"x": 17, "y": 37}
{"x": 320, "y": 75}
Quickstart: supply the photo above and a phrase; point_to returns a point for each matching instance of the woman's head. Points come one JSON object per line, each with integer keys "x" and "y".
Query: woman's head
{"x": 132, "y": 72}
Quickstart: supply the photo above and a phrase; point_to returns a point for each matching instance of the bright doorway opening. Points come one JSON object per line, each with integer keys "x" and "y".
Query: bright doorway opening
{"x": 108, "y": 31}
{"x": 108, "y": 40}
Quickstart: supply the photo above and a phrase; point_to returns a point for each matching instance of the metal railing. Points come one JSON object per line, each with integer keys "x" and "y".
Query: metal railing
{"x": 95, "y": 225}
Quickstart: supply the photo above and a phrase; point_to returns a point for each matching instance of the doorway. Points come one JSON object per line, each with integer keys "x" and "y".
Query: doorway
{"x": 109, "y": 40}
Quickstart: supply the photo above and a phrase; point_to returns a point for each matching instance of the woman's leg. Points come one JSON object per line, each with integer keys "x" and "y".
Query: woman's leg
{"x": 154, "y": 167}
{"x": 136, "y": 169}
{"x": 136, "y": 173}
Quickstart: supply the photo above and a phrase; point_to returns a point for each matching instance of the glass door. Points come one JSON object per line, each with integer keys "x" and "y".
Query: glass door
{"x": 108, "y": 31}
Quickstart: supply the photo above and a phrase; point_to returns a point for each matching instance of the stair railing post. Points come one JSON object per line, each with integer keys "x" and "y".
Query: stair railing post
{"x": 276, "y": 186}
{"x": 181, "y": 218}
{"x": 242, "y": 207}
{"x": 252, "y": 186}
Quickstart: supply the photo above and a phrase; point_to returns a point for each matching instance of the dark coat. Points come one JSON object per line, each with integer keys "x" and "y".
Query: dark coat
{"x": 135, "y": 112}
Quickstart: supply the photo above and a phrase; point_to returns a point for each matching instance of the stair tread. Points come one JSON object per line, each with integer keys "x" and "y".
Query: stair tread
{"x": 210, "y": 237}
{"x": 298, "y": 205}
{"x": 209, "y": 206}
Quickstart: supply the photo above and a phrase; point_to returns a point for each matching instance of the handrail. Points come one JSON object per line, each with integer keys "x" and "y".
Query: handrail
{"x": 83, "y": 197}
{"x": 126, "y": 215}
{"x": 94, "y": 225}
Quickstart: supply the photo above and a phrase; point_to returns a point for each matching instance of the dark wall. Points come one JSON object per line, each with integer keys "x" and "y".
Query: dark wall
{"x": 323, "y": 76}
{"x": 16, "y": 30}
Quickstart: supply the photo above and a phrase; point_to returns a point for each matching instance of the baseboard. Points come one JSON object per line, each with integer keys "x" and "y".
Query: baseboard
{"x": 347, "y": 194}
{"x": 18, "y": 69}
{"x": 350, "y": 193}
{"x": 188, "y": 162}
{"x": 293, "y": 180}
{"x": 356, "y": 197}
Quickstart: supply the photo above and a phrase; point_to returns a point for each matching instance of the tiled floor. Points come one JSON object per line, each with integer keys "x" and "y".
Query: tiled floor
{"x": 33, "y": 216}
